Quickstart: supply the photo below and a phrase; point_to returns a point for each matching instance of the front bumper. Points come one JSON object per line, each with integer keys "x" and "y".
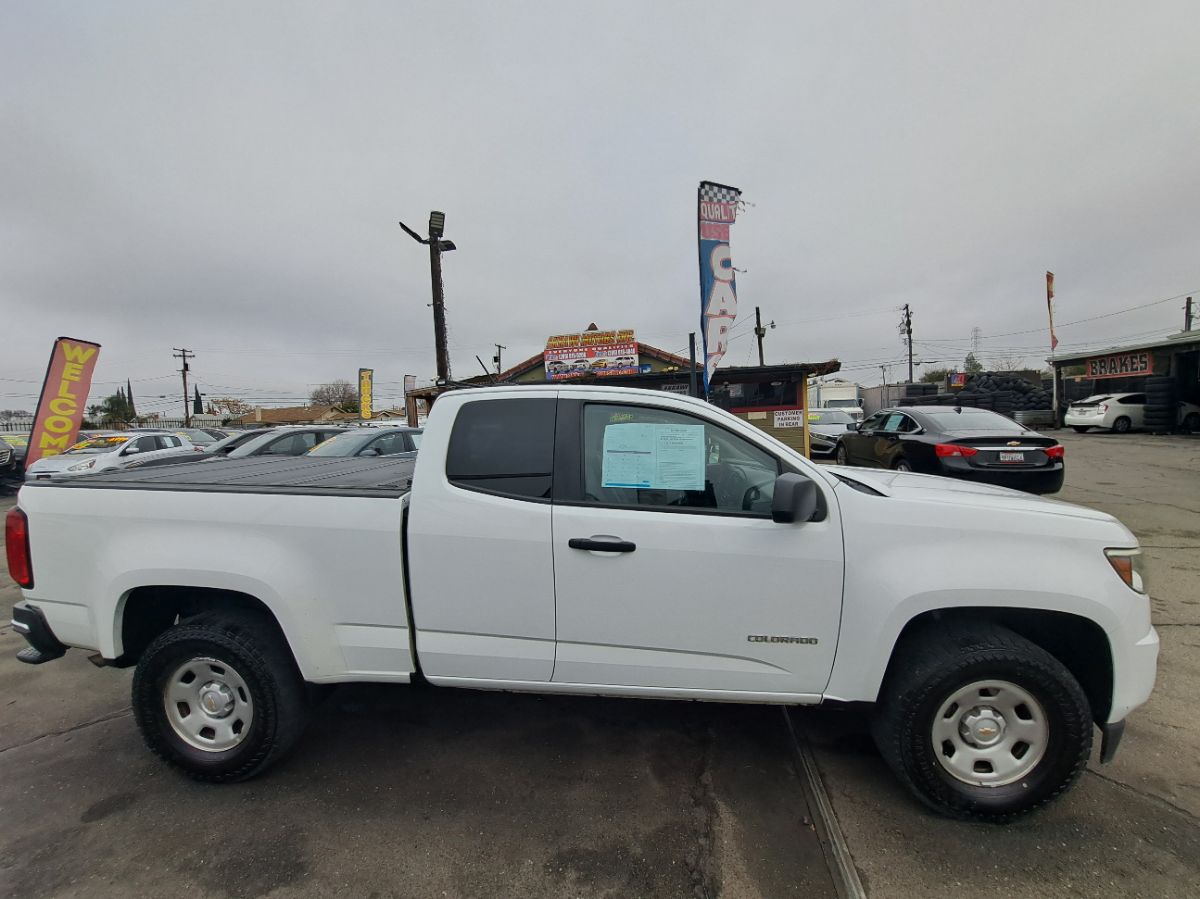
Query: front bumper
{"x": 31, "y": 624}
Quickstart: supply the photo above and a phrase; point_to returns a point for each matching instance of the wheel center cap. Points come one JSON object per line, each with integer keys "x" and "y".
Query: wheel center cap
{"x": 983, "y": 726}
{"x": 217, "y": 699}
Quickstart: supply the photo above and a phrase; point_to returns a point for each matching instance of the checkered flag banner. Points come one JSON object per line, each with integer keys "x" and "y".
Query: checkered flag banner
{"x": 717, "y": 206}
{"x": 711, "y": 192}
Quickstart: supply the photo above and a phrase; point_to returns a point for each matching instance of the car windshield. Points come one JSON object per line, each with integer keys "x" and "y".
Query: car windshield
{"x": 196, "y": 436}
{"x": 233, "y": 440}
{"x": 343, "y": 444}
{"x": 16, "y": 439}
{"x": 97, "y": 445}
{"x": 829, "y": 418}
{"x": 842, "y": 404}
{"x": 968, "y": 419}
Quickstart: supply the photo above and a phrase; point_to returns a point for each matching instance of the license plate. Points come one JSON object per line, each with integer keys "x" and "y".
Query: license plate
{"x": 1012, "y": 457}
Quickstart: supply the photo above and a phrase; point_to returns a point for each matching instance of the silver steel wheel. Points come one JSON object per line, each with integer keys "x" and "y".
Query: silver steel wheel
{"x": 990, "y": 733}
{"x": 208, "y": 704}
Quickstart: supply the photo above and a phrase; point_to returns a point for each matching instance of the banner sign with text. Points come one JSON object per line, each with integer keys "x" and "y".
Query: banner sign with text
{"x": 64, "y": 394}
{"x": 600, "y": 353}
{"x": 366, "y": 379}
{"x": 718, "y": 295}
{"x": 1121, "y": 365}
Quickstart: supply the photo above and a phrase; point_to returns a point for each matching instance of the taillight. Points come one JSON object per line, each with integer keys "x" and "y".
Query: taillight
{"x": 1104, "y": 407}
{"x": 953, "y": 449}
{"x": 16, "y": 545}
{"x": 1055, "y": 452}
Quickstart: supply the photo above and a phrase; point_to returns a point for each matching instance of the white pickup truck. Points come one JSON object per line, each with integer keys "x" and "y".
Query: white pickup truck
{"x": 603, "y": 541}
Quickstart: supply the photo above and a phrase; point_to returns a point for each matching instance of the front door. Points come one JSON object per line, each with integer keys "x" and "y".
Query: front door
{"x": 668, "y": 569}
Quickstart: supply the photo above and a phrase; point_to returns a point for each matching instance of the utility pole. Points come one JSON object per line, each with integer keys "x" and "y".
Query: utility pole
{"x": 693, "y": 387}
{"x": 760, "y": 332}
{"x": 184, "y": 355}
{"x": 437, "y": 246}
{"x": 1187, "y": 315}
{"x": 496, "y": 358}
{"x": 906, "y": 328}
{"x": 887, "y": 393}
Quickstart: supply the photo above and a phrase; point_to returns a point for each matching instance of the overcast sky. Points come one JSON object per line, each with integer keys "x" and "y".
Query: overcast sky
{"x": 227, "y": 177}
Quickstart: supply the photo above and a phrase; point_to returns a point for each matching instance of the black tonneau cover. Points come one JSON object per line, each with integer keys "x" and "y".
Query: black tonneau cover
{"x": 317, "y": 476}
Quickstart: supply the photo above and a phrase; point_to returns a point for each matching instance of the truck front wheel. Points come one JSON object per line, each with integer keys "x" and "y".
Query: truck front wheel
{"x": 219, "y": 697}
{"x": 981, "y": 723}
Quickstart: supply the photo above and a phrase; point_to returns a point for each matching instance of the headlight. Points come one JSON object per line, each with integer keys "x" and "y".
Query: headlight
{"x": 1130, "y": 566}
{"x": 82, "y": 466}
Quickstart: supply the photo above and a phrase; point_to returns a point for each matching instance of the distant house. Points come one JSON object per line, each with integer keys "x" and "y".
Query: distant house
{"x": 296, "y": 415}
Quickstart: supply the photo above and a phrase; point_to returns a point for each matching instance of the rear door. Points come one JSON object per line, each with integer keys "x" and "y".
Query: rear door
{"x": 1133, "y": 406}
{"x": 669, "y": 572}
{"x": 479, "y": 541}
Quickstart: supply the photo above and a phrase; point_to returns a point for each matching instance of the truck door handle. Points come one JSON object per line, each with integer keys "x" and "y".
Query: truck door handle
{"x": 601, "y": 546}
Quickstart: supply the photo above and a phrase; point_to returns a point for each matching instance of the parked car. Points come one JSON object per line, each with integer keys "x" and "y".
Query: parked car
{"x": 976, "y": 444}
{"x": 375, "y": 441}
{"x": 227, "y": 445}
{"x": 118, "y": 450}
{"x": 825, "y": 428}
{"x": 597, "y": 540}
{"x": 1120, "y": 412}
{"x": 19, "y": 443}
{"x": 1123, "y": 412}
{"x": 287, "y": 441}
{"x": 8, "y": 460}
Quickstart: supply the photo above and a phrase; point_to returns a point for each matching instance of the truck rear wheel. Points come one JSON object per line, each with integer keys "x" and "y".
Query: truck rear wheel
{"x": 982, "y": 724}
{"x": 219, "y": 697}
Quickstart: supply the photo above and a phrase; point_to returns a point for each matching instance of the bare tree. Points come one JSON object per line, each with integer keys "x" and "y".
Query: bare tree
{"x": 340, "y": 393}
{"x": 229, "y": 406}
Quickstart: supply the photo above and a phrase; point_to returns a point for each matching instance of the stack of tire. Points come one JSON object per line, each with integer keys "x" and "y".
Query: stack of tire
{"x": 1010, "y": 393}
{"x": 1160, "y": 405}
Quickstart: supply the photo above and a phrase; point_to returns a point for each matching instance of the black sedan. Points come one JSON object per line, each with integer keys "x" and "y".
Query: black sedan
{"x": 956, "y": 442}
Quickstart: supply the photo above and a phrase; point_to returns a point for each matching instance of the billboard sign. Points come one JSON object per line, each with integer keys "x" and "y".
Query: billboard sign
{"x": 64, "y": 394}
{"x": 600, "y": 353}
{"x": 366, "y": 396}
{"x": 1121, "y": 365}
{"x": 716, "y": 212}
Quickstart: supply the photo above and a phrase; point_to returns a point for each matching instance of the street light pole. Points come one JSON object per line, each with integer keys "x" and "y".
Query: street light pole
{"x": 437, "y": 246}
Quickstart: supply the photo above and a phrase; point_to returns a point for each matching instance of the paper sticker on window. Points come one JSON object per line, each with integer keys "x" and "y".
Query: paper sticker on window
{"x": 654, "y": 456}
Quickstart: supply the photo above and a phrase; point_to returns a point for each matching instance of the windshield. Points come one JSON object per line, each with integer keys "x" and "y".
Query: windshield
{"x": 842, "y": 404}
{"x": 196, "y": 436}
{"x": 97, "y": 445}
{"x": 829, "y": 418}
{"x": 973, "y": 420}
{"x": 232, "y": 441}
{"x": 16, "y": 439}
{"x": 343, "y": 444}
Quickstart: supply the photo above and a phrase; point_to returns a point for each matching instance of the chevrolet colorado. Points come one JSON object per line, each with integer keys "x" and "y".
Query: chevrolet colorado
{"x": 599, "y": 540}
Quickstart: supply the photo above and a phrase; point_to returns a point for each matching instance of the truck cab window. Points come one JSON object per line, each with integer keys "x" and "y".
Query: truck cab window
{"x": 504, "y": 447}
{"x": 656, "y": 458}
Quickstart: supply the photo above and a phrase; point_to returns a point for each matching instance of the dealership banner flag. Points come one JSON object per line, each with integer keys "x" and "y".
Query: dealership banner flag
{"x": 64, "y": 394}
{"x": 1050, "y": 309}
{"x": 366, "y": 384}
{"x": 718, "y": 294}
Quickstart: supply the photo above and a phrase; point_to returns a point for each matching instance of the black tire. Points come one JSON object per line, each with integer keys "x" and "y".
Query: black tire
{"x": 1082, "y": 429}
{"x": 254, "y": 650}
{"x": 840, "y": 456}
{"x": 1122, "y": 424}
{"x": 901, "y": 465}
{"x": 946, "y": 657}
{"x": 1191, "y": 424}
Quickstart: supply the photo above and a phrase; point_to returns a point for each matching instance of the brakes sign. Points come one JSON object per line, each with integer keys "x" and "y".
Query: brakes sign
{"x": 64, "y": 393}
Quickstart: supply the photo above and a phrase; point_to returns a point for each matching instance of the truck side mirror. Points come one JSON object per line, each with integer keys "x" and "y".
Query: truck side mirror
{"x": 795, "y": 499}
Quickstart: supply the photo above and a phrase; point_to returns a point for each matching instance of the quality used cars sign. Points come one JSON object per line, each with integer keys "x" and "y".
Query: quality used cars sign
{"x": 64, "y": 393}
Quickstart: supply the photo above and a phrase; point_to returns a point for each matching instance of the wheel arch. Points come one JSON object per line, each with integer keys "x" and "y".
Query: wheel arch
{"x": 145, "y": 612}
{"x": 1079, "y": 643}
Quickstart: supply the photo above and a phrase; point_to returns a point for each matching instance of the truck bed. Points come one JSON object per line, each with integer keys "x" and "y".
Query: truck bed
{"x": 302, "y": 475}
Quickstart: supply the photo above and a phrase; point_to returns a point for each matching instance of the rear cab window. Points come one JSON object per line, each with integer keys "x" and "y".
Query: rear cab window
{"x": 504, "y": 447}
